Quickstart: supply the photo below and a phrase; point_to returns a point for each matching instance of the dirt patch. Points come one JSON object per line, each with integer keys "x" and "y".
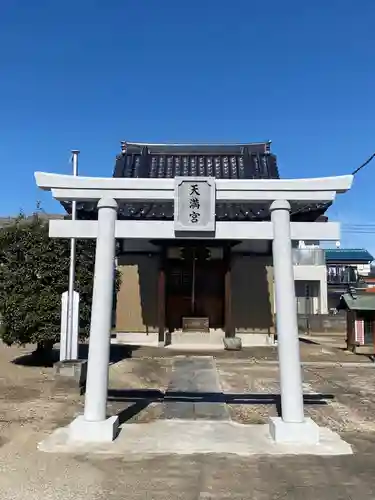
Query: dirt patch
{"x": 18, "y": 393}
{"x": 254, "y": 414}
{"x": 3, "y": 441}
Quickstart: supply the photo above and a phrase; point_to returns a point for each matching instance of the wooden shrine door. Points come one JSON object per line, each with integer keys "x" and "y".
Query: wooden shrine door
{"x": 207, "y": 300}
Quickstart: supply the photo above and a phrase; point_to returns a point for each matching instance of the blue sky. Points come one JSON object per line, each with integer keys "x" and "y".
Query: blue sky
{"x": 90, "y": 73}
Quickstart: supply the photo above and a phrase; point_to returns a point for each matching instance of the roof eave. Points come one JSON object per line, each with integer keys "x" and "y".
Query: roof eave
{"x": 192, "y": 144}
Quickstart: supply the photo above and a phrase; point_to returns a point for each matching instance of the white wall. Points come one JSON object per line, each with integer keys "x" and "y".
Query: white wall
{"x": 315, "y": 273}
{"x": 363, "y": 269}
{"x": 316, "y": 278}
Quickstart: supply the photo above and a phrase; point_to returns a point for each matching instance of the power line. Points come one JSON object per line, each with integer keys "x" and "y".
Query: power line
{"x": 364, "y": 164}
{"x": 358, "y": 228}
{"x": 358, "y": 231}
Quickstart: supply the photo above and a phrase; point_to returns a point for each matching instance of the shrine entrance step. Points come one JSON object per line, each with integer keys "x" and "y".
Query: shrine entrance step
{"x": 212, "y": 340}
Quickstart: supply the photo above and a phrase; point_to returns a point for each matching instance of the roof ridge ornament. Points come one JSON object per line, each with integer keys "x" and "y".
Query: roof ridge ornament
{"x": 353, "y": 292}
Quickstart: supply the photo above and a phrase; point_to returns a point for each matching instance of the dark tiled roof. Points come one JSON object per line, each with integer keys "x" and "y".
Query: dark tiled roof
{"x": 348, "y": 255}
{"x": 361, "y": 302}
{"x": 238, "y": 161}
{"x": 242, "y": 161}
{"x": 224, "y": 211}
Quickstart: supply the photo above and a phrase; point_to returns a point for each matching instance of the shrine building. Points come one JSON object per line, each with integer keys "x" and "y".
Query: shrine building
{"x": 198, "y": 290}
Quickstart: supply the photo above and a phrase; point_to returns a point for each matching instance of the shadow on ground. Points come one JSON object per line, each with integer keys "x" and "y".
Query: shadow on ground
{"x": 142, "y": 398}
{"x": 117, "y": 354}
{"x": 304, "y": 340}
{"x": 36, "y": 359}
{"x": 371, "y": 357}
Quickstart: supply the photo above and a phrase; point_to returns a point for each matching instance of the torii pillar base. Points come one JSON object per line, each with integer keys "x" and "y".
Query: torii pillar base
{"x": 104, "y": 431}
{"x": 306, "y": 432}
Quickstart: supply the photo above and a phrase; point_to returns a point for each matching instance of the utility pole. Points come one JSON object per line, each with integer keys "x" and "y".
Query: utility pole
{"x": 72, "y": 266}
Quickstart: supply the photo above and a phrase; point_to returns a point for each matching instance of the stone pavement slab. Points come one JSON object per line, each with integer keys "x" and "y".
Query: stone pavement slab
{"x": 190, "y": 377}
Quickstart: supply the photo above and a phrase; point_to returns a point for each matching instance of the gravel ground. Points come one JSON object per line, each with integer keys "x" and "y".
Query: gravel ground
{"x": 32, "y": 404}
{"x": 310, "y": 349}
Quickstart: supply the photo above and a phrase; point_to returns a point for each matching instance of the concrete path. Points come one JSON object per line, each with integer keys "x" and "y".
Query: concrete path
{"x": 190, "y": 437}
{"x": 190, "y": 378}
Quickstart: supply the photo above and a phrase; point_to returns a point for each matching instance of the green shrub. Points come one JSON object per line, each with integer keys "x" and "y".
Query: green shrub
{"x": 34, "y": 272}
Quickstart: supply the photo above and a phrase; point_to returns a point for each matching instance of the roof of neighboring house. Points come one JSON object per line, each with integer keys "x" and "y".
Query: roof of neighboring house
{"x": 354, "y": 255}
{"x": 222, "y": 161}
{"x": 363, "y": 302}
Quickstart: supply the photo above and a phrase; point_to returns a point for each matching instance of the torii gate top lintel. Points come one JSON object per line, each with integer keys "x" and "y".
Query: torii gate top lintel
{"x": 66, "y": 187}
{"x": 316, "y": 190}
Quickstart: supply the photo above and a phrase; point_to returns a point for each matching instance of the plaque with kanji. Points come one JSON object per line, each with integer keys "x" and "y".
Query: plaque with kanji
{"x": 194, "y": 204}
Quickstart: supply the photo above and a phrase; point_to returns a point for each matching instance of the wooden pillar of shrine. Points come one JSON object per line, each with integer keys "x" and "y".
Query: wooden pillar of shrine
{"x": 162, "y": 296}
{"x": 228, "y": 320}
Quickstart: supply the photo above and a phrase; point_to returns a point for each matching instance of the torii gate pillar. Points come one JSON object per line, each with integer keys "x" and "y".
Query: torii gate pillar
{"x": 93, "y": 425}
{"x": 292, "y": 426}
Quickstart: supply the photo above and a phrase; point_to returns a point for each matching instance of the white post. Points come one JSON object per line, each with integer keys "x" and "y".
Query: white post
{"x": 70, "y": 349}
{"x": 323, "y": 293}
{"x": 286, "y": 315}
{"x": 64, "y": 355}
{"x": 101, "y": 313}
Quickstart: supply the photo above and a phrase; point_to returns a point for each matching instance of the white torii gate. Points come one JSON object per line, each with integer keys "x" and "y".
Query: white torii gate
{"x": 93, "y": 425}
